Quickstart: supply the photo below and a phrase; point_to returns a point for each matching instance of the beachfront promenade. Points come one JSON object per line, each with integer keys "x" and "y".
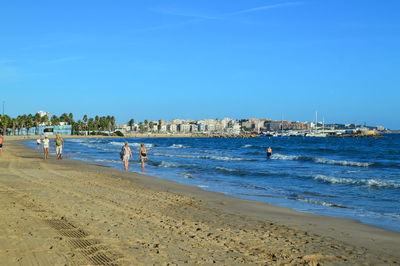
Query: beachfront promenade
{"x": 77, "y": 213}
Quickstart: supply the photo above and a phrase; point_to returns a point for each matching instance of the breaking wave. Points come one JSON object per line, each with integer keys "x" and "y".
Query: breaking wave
{"x": 323, "y": 203}
{"x": 363, "y": 182}
{"x": 210, "y": 157}
{"x": 120, "y": 144}
{"x": 278, "y": 156}
{"x": 107, "y": 161}
{"x": 178, "y": 146}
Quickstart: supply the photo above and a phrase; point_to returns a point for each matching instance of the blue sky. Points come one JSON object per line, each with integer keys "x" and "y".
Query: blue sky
{"x": 203, "y": 59}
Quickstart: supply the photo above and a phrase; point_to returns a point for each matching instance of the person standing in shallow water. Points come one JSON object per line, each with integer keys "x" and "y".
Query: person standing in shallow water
{"x": 142, "y": 154}
{"x": 126, "y": 154}
{"x": 46, "y": 146}
{"x": 269, "y": 152}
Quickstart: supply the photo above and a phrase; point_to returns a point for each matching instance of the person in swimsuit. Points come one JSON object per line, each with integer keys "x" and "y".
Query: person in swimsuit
{"x": 1, "y": 143}
{"x": 46, "y": 145}
{"x": 269, "y": 152}
{"x": 142, "y": 154}
{"x": 59, "y": 144}
{"x": 126, "y": 154}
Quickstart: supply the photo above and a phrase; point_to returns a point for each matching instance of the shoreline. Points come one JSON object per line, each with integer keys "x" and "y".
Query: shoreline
{"x": 292, "y": 206}
{"x": 277, "y": 231}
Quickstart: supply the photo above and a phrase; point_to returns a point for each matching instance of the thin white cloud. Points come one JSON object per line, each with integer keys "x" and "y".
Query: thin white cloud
{"x": 201, "y": 17}
{"x": 182, "y": 13}
{"x": 261, "y": 8}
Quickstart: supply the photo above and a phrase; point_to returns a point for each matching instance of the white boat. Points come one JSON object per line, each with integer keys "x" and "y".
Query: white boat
{"x": 319, "y": 134}
{"x": 316, "y": 132}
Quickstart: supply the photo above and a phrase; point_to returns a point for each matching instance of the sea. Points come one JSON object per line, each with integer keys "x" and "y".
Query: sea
{"x": 355, "y": 178}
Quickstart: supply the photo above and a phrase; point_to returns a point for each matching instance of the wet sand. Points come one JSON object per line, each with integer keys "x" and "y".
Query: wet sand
{"x": 75, "y": 213}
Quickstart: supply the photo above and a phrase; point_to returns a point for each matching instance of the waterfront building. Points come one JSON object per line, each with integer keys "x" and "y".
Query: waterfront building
{"x": 201, "y": 127}
{"x": 210, "y": 127}
{"x": 194, "y": 128}
{"x": 65, "y": 130}
{"x": 184, "y": 128}
{"x": 43, "y": 113}
{"x": 172, "y": 128}
{"x": 163, "y": 128}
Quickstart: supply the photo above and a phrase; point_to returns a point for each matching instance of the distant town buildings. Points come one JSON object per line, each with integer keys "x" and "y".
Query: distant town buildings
{"x": 213, "y": 126}
{"x": 42, "y": 123}
{"x": 229, "y": 126}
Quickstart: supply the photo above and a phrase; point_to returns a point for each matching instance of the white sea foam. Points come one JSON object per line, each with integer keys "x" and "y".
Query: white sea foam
{"x": 278, "y": 156}
{"x": 168, "y": 164}
{"x": 178, "y": 146}
{"x": 76, "y": 140}
{"x": 187, "y": 175}
{"x": 363, "y": 182}
{"x": 344, "y": 163}
{"x": 211, "y": 157}
{"x": 120, "y": 144}
{"x": 320, "y": 202}
{"x": 105, "y": 160}
{"x": 225, "y": 169}
{"x": 247, "y": 146}
{"x": 222, "y": 158}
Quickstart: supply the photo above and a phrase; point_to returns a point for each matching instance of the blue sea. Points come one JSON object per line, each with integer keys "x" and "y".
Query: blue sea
{"x": 356, "y": 178}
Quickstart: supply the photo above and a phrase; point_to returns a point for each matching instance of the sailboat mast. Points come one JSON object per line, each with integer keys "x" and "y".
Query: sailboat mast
{"x": 316, "y": 120}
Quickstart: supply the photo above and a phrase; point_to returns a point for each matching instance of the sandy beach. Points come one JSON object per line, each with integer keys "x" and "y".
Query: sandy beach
{"x": 76, "y": 213}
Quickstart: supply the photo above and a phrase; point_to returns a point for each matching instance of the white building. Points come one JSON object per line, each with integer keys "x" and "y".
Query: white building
{"x": 43, "y": 113}
{"x": 172, "y": 128}
{"x": 163, "y": 128}
{"x": 184, "y": 128}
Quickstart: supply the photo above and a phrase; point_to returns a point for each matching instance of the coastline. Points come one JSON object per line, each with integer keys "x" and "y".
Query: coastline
{"x": 141, "y": 219}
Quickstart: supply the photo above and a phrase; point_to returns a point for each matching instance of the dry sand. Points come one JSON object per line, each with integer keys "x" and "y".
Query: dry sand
{"x": 75, "y": 213}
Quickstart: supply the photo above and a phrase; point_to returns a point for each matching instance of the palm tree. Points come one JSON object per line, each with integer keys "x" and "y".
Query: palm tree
{"x": 44, "y": 120}
{"x": 141, "y": 127}
{"x": 70, "y": 118}
{"x": 112, "y": 123}
{"x": 159, "y": 125}
{"x": 64, "y": 118}
{"x": 14, "y": 124}
{"x": 85, "y": 120}
{"x": 97, "y": 122}
{"x": 131, "y": 123}
{"x": 37, "y": 118}
{"x": 29, "y": 121}
{"x": 54, "y": 120}
{"x": 5, "y": 121}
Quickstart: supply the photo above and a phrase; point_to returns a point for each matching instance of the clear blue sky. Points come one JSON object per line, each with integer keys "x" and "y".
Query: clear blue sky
{"x": 203, "y": 59}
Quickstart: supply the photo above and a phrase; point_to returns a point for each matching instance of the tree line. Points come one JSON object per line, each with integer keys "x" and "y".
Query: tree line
{"x": 86, "y": 125}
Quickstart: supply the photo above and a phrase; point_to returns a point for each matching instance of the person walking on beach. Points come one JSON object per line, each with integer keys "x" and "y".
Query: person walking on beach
{"x": 126, "y": 154}
{"x": 269, "y": 152}
{"x": 59, "y": 144}
{"x": 46, "y": 146}
{"x": 1, "y": 143}
{"x": 142, "y": 154}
